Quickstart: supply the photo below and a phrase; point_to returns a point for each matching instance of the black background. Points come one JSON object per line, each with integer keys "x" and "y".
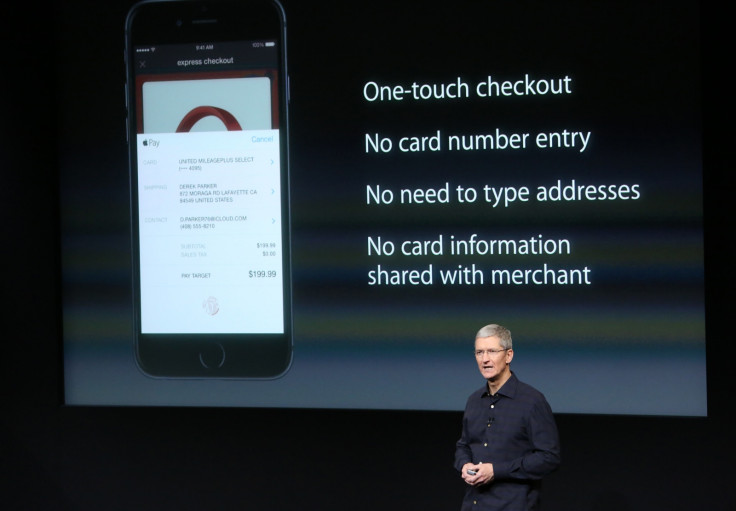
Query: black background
{"x": 78, "y": 458}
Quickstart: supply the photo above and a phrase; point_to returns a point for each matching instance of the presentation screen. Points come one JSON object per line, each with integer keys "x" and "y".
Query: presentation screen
{"x": 450, "y": 165}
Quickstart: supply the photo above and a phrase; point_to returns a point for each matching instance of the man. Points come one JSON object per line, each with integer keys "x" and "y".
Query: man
{"x": 509, "y": 439}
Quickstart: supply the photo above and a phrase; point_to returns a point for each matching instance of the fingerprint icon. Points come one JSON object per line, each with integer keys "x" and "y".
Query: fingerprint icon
{"x": 211, "y": 306}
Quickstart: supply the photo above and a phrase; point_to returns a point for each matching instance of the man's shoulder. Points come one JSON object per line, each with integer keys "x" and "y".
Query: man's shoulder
{"x": 525, "y": 387}
{"x": 479, "y": 392}
{"x": 524, "y": 390}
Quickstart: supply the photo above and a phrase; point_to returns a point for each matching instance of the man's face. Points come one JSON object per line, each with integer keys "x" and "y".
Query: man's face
{"x": 492, "y": 361}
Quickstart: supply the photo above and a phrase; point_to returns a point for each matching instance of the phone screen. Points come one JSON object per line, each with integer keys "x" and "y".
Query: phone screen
{"x": 209, "y": 211}
{"x": 210, "y": 201}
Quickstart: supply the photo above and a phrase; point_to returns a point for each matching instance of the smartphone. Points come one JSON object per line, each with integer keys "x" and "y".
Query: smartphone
{"x": 207, "y": 102}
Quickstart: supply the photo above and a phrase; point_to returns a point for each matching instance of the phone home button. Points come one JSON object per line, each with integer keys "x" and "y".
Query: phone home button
{"x": 212, "y": 355}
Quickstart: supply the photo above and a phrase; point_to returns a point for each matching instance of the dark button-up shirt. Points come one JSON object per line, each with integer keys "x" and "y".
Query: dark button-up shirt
{"x": 516, "y": 432}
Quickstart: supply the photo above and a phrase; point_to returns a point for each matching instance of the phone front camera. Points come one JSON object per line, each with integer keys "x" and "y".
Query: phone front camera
{"x": 178, "y": 23}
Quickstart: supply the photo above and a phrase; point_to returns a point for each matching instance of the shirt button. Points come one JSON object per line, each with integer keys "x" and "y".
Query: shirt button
{"x": 493, "y": 406}
{"x": 475, "y": 502}
{"x": 485, "y": 444}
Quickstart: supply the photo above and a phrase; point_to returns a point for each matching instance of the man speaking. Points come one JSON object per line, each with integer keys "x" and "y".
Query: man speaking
{"x": 509, "y": 439}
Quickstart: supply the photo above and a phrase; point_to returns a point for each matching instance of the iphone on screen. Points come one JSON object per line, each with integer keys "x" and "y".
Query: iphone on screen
{"x": 208, "y": 138}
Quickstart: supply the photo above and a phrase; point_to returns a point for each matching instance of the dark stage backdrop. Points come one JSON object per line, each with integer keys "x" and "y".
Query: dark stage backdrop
{"x": 192, "y": 458}
{"x": 533, "y": 164}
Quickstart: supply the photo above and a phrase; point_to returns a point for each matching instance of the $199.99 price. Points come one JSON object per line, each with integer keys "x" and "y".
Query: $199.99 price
{"x": 262, "y": 274}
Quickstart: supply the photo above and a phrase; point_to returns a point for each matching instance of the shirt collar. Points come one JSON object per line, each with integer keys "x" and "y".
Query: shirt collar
{"x": 508, "y": 389}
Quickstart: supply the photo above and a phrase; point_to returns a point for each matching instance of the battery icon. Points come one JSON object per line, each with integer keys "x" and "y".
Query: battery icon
{"x": 270, "y": 43}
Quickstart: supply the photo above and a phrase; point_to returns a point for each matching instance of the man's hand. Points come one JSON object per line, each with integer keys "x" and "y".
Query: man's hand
{"x": 483, "y": 473}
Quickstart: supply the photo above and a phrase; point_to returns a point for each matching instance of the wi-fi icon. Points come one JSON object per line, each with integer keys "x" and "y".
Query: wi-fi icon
{"x": 153, "y": 48}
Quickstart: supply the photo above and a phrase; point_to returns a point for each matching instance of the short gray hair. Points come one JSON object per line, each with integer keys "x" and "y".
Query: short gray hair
{"x": 499, "y": 331}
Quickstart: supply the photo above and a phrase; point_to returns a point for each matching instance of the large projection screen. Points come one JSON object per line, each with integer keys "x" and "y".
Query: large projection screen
{"x": 533, "y": 164}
